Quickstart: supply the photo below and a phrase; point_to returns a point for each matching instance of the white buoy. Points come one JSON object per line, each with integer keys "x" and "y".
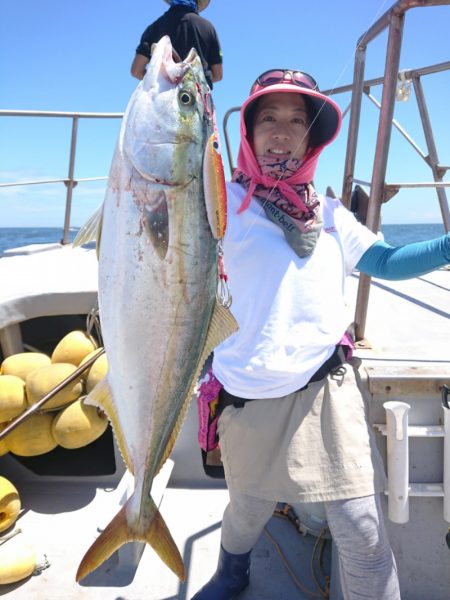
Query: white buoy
{"x": 397, "y": 460}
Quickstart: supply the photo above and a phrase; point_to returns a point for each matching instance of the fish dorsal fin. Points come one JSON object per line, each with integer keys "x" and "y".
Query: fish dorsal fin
{"x": 91, "y": 230}
{"x": 102, "y": 397}
{"x": 222, "y": 325}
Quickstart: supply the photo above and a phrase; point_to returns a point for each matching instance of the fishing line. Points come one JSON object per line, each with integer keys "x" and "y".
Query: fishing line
{"x": 337, "y": 80}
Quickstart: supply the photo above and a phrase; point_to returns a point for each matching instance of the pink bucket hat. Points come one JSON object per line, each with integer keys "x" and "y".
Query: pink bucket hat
{"x": 324, "y": 113}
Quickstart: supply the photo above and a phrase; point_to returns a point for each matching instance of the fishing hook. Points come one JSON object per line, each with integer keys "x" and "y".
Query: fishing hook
{"x": 223, "y": 293}
{"x": 93, "y": 322}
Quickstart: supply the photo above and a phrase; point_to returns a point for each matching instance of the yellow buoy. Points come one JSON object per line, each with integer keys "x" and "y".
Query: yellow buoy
{"x": 17, "y": 560}
{"x": 3, "y": 447}
{"x": 9, "y": 504}
{"x": 23, "y": 363}
{"x": 85, "y": 359}
{"x": 12, "y": 397}
{"x": 73, "y": 348}
{"x": 97, "y": 372}
{"x": 42, "y": 381}
{"x": 78, "y": 425}
{"x": 33, "y": 436}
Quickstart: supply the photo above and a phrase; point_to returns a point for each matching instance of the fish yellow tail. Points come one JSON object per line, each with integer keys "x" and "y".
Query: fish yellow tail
{"x": 119, "y": 532}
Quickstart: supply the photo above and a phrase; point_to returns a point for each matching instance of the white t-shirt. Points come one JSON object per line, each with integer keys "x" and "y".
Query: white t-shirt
{"x": 290, "y": 310}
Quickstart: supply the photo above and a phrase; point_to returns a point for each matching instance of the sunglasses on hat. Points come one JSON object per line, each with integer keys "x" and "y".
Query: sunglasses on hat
{"x": 274, "y": 76}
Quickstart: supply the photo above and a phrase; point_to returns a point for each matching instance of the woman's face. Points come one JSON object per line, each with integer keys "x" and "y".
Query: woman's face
{"x": 280, "y": 126}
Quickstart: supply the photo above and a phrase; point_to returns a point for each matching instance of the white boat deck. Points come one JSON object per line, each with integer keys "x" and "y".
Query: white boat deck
{"x": 194, "y": 518}
{"x": 408, "y": 327}
{"x": 408, "y": 322}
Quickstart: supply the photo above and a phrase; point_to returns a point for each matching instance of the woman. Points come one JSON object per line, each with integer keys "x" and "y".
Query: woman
{"x": 293, "y": 426}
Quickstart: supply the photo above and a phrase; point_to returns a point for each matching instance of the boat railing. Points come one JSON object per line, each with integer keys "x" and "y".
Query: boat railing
{"x": 394, "y": 83}
{"x": 393, "y": 20}
{"x": 70, "y": 181}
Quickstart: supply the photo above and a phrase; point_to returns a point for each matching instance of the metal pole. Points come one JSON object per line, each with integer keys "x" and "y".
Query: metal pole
{"x": 227, "y": 139}
{"x": 70, "y": 183}
{"x": 353, "y": 127}
{"x": 369, "y": 83}
{"x": 381, "y": 156}
{"x": 399, "y": 128}
{"x": 432, "y": 151}
{"x": 399, "y": 8}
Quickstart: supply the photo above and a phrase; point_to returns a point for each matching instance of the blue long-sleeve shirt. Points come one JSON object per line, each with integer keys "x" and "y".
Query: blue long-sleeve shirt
{"x": 403, "y": 262}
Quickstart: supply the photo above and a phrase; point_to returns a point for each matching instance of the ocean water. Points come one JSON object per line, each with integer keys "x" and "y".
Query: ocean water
{"x": 14, "y": 237}
{"x": 397, "y": 235}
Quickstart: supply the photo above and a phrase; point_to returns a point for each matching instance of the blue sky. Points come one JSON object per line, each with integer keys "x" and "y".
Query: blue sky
{"x": 75, "y": 56}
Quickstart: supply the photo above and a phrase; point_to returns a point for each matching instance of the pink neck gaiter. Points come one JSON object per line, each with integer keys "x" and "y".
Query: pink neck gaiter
{"x": 284, "y": 185}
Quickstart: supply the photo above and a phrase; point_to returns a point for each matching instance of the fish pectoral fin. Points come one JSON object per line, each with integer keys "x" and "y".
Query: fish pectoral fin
{"x": 102, "y": 397}
{"x": 119, "y": 532}
{"x": 91, "y": 230}
{"x": 156, "y": 220}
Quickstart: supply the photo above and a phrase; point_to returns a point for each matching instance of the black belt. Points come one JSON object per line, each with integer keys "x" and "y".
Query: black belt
{"x": 338, "y": 357}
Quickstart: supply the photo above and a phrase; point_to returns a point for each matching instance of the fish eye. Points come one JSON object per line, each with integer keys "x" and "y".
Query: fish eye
{"x": 186, "y": 98}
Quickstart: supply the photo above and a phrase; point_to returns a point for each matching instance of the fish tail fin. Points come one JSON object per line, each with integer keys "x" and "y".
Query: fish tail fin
{"x": 119, "y": 532}
{"x": 113, "y": 537}
{"x": 160, "y": 539}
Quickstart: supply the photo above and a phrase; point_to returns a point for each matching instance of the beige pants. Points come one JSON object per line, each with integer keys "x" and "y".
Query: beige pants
{"x": 310, "y": 446}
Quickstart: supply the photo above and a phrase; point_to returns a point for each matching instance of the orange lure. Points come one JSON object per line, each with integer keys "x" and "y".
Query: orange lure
{"x": 214, "y": 187}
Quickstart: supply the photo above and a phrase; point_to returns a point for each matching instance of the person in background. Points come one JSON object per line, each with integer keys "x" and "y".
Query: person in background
{"x": 186, "y": 29}
{"x": 293, "y": 425}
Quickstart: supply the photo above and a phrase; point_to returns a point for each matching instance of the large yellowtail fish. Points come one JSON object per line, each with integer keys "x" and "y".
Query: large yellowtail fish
{"x": 160, "y": 225}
